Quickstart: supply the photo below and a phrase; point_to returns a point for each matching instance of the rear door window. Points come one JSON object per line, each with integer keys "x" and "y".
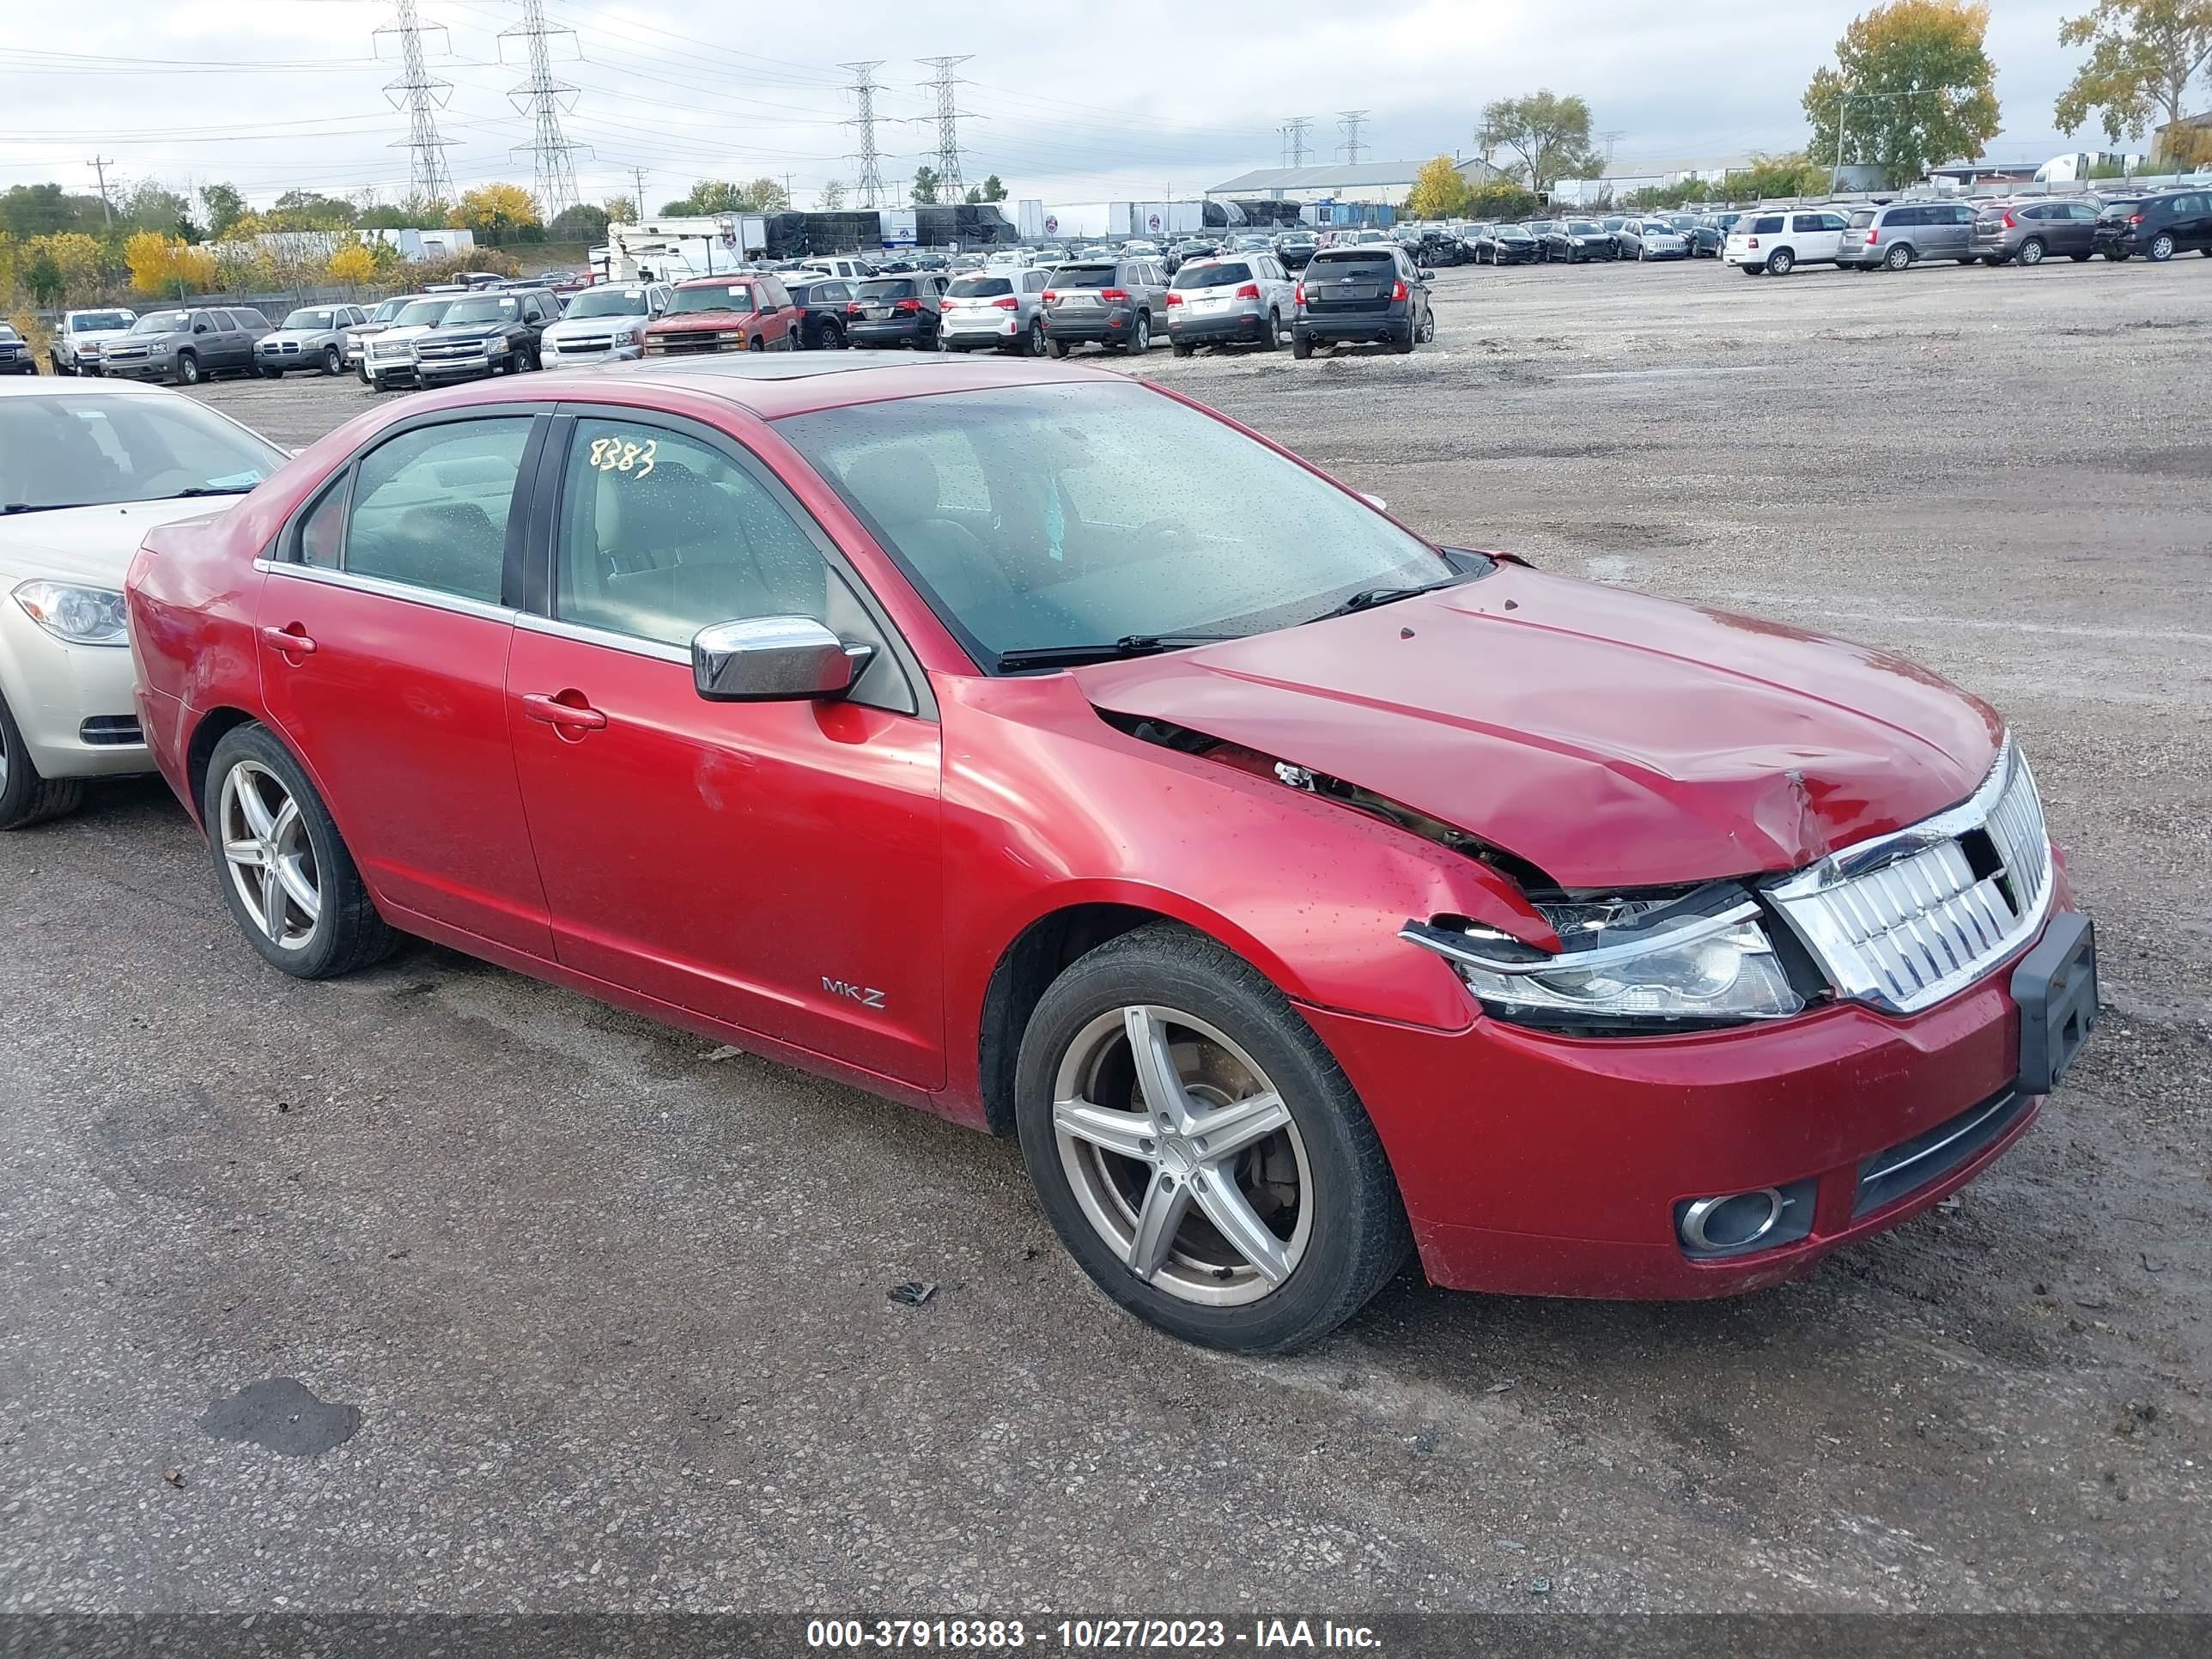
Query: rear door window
{"x": 429, "y": 507}
{"x": 1769, "y": 226}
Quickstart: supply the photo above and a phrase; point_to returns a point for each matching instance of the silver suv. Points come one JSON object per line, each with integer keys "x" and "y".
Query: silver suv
{"x": 76, "y": 342}
{"x": 1001, "y": 310}
{"x": 312, "y": 337}
{"x": 604, "y": 324}
{"x": 1112, "y": 302}
{"x": 1237, "y": 298}
{"x": 187, "y": 345}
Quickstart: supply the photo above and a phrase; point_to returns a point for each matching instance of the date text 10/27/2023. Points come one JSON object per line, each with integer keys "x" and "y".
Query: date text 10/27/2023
{"x": 1089, "y": 1635}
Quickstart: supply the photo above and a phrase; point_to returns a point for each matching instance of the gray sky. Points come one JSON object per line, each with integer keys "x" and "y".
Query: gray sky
{"x": 185, "y": 91}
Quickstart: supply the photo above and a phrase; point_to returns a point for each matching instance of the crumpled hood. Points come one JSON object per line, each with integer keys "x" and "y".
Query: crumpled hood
{"x": 1613, "y": 740}
{"x": 91, "y": 544}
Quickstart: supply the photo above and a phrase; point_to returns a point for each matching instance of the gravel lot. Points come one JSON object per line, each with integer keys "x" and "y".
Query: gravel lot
{"x": 611, "y": 1306}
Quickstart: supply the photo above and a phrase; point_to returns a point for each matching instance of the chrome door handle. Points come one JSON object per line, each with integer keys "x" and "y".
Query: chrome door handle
{"x": 567, "y": 715}
{"x": 285, "y": 640}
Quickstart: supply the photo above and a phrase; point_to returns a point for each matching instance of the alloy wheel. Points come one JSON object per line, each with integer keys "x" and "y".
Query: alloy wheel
{"x": 1183, "y": 1156}
{"x": 271, "y": 859}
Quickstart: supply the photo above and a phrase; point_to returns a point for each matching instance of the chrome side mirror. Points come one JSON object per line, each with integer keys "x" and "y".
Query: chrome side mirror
{"x": 773, "y": 659}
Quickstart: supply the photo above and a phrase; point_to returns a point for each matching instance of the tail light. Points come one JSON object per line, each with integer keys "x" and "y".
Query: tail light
{"x": 1049, "y": 296}
{"x": 855, "y": 309}
{"x": 1299, "y": 294}
{"x": 2135, "y": 218}
{"x": 1874, "y": 235}
{"x": 1174, "y": 298}
{"x": 1249, "y": 291}
{"x": 1751, "y": 241}
{"x": 2010, "y": 223}
{"x": 909, "y": 307}
{"x": 1110, "y": 295}
{"x": 1398, "y": 289}
{"x": 1007, "y": 302}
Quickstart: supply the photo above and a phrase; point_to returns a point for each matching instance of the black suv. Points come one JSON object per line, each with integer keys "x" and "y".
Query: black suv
{"x": 822, "y": 301}
{"x": 484, "y": 332}
{"x": 1352, "y": 295}
{"x": 2158, "y": 227}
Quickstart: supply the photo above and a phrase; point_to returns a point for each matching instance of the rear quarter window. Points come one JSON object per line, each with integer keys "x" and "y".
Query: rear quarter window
{"x": 1767, "y": 227}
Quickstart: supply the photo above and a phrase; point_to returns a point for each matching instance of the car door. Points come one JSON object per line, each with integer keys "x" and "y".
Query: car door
{"x": 1956, "y": 222}
{"x": 772, "y": 866}
{"x": 1816, "y": 238}
{"x": 383, "y": 631}
{"x": 2191, "y": 223}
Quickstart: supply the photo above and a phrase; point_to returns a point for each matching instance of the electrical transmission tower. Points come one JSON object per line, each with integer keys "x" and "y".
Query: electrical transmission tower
{"x": 951, "y": 187}
{"x": 1349, "y": 122}
{"x": 422, "y": 95}
{"x": 869, "y": 186}
{"x": 544, "y": 98}
{"x": 1294, "y": 131}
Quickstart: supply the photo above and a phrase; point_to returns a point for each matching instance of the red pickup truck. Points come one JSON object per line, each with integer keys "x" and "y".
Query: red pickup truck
{"x": 746, "y": 311}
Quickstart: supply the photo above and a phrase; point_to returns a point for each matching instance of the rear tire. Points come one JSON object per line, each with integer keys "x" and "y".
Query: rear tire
{"x": 1141, "y": 341}
{"x": 345, "y": 931}
{"x": 1274, "y": 340}
{"x": 2030, "y": 251}
{"x": 1033, "y": 341}
{"x": 1180, "y": 348}
{"x": 1781, "y": 261}
{"x": 1058, "y": 347}
{"x": 28, "y": 796}
{"x": 1300, "y": 346}
{"x": 1898, "y": 258}
{"x": 270, "y": 372}
{"x": 2083, "y": 258}
{"x": 1314, "y": 1198}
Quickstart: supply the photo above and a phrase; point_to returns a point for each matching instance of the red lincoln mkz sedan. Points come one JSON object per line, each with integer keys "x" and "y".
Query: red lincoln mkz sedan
{"x": 1034, "y": 746}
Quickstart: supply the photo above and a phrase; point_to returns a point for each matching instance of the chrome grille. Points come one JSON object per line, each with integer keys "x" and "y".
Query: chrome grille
{"x": 593, "y": 343}
{"x": 1905, "y": 919}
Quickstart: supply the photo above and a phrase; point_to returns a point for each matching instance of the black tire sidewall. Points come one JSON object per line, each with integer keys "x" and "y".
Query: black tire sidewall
{"x": 1356, "y": 1211}
{"x": 334, "y": 866}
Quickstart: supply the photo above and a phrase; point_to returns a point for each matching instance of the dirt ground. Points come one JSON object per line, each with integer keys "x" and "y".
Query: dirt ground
{"x": 610, "y": 1309}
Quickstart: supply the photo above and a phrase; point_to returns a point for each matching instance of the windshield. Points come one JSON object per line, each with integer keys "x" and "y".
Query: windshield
{"x": 1511, "y": 233}
{"x": 94, "y": 450}
{"x": 388, "y": 310}
{"x": 610, "y": 302}
{"x": 721, "y": 296}
{"x": 312, "y": 318}
{"x": 161, "y": 322}
{"x": 486, "y": 310}
{"x": 1220, "y": 274}
{"x": 100, "y": 322}
{"x": 1071, "y": 515}
{"x": 423, "y": 313}
{"x": 1583, "y": 228}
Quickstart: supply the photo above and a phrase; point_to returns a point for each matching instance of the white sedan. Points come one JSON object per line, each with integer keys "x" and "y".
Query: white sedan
{"x": 86, "y": 467}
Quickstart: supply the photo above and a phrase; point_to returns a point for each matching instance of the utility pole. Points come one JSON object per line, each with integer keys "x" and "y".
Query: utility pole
{"x": 1349, "y": 123}
{"x": 544, "y": 98}
{"x": 100, "y": 165}
{"x": 951, "y": 187}
{"x": 422, "y": 95}
{"x": 1609, "y": 139}
{"x": 1297, "y": 128}
{"x": 637, "y": 175}
{"x": 869, "y": 186}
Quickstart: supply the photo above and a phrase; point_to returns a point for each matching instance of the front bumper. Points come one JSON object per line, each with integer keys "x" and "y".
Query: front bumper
{"x": 449, "y": 371}
{"x": 559, "y": 355}
{"x": 1536, "y": 1164}
{"x": 55, "y": 688}
{"x": 141, "y": 369}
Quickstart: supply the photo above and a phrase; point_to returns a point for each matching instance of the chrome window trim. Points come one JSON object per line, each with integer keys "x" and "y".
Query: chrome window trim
{"x": 1797, "y": 898}
{"x": 557, "y": 628}
{"x": 431, "y": 597}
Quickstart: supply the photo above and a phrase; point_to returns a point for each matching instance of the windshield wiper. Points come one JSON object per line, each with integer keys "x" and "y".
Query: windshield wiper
{"x": 1130, "y": 644}
{"x": 1368, "y": 598}
{"x": 9, "y": 508}
{"x": 213, "y": 490}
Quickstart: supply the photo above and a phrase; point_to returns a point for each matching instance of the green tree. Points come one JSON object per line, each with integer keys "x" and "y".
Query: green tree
{"x": 992, "y": 190}
{"x": 43, "y": 276}
{"x": 708, "y": 196}
{"x": 1500, "y": 198}
{"x": 309, "y": 209}
{"x": 580, "y": 223}
{"x": 620, "y": 210}
{"x": 766, "y": 196}
{"x": 925, "y": 186}
{"x": 2143, "y": 54}
{"x": 223, "y": 205}
{"x": 1439, "y": 191}
{"x": 830, "y": 198}
{"x": 28, "y": 211}
{"x": 1550, "y": 134}
{"x": 1911, "y": 88}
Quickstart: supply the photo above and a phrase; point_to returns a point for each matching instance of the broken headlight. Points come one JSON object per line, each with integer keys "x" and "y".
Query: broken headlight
{"x": 1626, "y": 962}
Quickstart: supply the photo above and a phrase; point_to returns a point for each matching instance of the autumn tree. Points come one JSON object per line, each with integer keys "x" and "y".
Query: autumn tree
{"x": 167, "y": 265}
{"x": 1550, "y": 134}
{"x": 1911, "y": 88}
{"x": 496, "y": 213}
{"x": 1439, "y": 191}
{"x": 352, "y": 264}
{"x": 620, "y": 210}
{"x": 2143, "y": 55}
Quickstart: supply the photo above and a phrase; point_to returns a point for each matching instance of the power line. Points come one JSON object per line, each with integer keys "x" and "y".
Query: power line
{"x": 1349, "y": 123}
{"x": 1294, "y": 132}
{"x": 950, "y": 185}
{"x": 869, "y": 185}
{"x": 544, "y": 98}
{"x": 422, "y": 95}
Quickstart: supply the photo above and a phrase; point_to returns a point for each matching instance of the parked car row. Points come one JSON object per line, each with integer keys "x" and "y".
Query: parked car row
{"x": 1897, "y": 235}
{"x": 1300, "y": 895}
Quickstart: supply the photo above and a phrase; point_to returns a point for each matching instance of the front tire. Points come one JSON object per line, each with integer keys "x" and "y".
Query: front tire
{"x": 188, "y": 369}
{"x": 333, "y": 362}
{"x": 1198, "y": 1151}
{"x": 28, "y": 796}
{"x": 291, "y": 886}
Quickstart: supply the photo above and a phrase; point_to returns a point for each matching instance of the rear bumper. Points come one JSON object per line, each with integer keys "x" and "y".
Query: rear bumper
{"x": 1243, "y": 327}
{"x": 1534, "y": 1165}
{"x": 905, "y": 332}
{"x": 1117, "y": 323}
{"x": 1389, "y": 324}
